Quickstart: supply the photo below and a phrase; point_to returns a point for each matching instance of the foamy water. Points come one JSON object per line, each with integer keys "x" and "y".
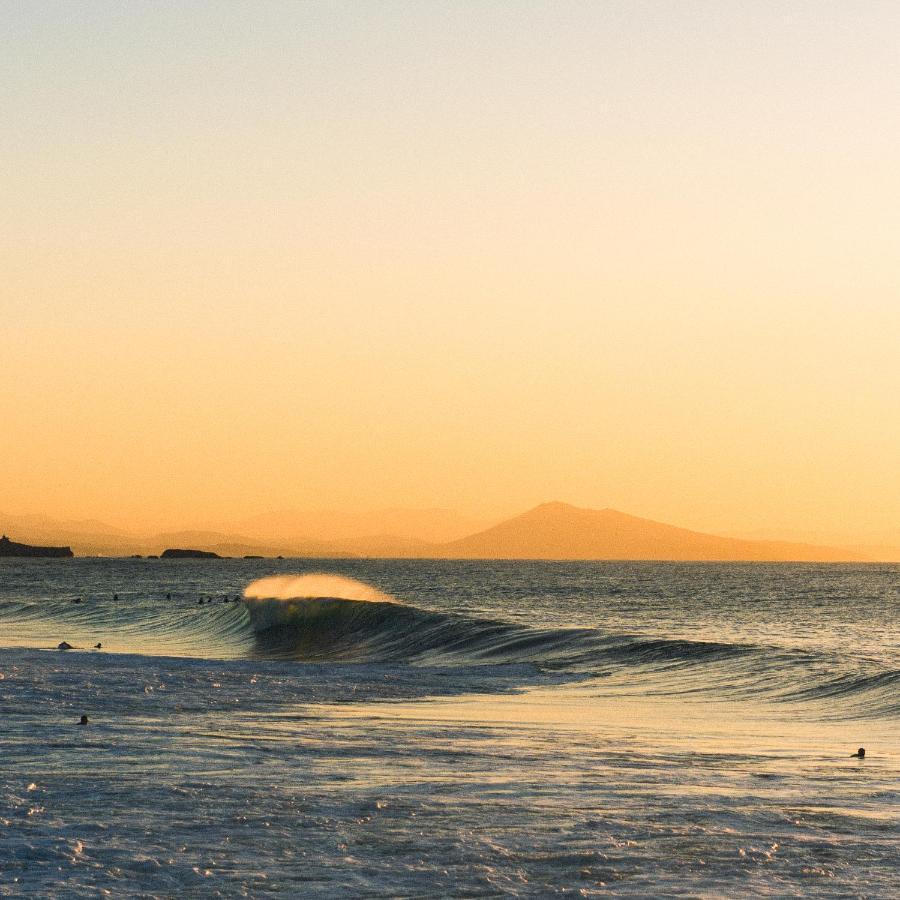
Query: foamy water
{"x": 447, "y": 728}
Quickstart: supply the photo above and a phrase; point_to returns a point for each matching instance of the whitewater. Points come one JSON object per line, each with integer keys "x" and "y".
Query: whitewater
{"x": 420, "y": 728}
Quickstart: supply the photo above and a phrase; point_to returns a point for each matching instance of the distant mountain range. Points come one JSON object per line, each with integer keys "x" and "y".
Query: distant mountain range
{"x": 433, "y": 526}
{"x": 549, "y": 531}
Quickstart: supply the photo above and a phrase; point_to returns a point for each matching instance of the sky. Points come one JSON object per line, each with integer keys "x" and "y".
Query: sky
{"x": 470, "y": 255}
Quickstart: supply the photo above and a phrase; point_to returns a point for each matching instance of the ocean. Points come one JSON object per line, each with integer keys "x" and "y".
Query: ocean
{"x": 381, "y": 728}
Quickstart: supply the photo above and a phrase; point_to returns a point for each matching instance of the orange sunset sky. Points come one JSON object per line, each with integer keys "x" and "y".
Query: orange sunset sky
{"x": 470, "y": 255}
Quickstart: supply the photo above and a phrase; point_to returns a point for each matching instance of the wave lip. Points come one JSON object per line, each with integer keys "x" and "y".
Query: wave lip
{"x": 314, "y": 585}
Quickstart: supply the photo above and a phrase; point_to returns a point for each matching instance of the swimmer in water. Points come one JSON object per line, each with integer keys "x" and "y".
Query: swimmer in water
{"x": 84, "y": 720}
{"x": 860, "y": 754}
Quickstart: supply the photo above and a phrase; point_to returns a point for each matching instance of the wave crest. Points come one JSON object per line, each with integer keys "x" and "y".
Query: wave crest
{"x": 314, "y": 586}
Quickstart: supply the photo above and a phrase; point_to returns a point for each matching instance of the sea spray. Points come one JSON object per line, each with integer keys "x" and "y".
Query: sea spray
{"x": 314, "y": 585}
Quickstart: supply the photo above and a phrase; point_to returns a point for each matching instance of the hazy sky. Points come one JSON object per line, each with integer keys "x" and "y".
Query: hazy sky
{"x": 469, "y": 254}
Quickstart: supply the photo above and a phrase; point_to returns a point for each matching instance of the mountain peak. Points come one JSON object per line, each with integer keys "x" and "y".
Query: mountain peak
{"x": 559, "y": 508}
{"x": 558, "y": 530}
{"x": 553, "y": 506}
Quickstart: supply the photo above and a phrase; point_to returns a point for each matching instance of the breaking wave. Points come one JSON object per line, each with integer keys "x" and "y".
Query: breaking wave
{"x": 329, "y": 618}
{"x": 361, "y": 625}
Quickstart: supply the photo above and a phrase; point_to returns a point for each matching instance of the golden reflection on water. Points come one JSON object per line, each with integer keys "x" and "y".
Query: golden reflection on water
{"x": 770, "y": 735}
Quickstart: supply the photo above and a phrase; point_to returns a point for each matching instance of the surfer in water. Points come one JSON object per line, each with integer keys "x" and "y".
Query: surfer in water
{"x": 860, "y": 754}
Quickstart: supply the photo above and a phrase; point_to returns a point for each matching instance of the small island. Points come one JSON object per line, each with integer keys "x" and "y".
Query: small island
{"x": 189, "y": 554}
{"x": 11, "y": 548}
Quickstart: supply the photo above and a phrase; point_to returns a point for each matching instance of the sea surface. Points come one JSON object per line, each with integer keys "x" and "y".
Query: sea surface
{"x": 380, "y": 728}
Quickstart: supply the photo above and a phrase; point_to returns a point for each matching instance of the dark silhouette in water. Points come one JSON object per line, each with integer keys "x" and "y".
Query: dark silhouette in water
{"x": 76, "y": 599}
{"x": 98, "y": 646}
{"x": 189, "y": 554}
{"x": 860, "y": 754}
{"x": 84, "y": 720}
{"x": 115, "y": 596}
{"x": 65, "y": 645}
{"x": 11, "y": 548}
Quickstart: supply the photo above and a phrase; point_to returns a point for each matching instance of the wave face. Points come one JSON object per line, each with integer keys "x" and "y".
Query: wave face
{"x": 330, "y": 628}
{"x": 328, "y": 617}
{"x": 627, "y": 640}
